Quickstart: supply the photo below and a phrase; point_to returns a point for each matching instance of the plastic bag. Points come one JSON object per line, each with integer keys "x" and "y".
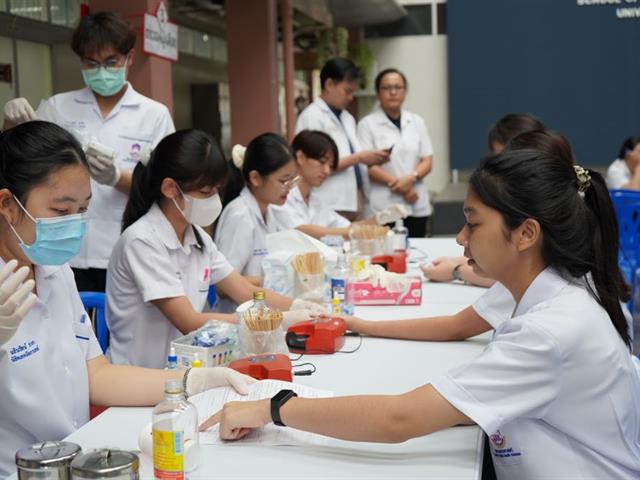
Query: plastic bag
{"x": 257, "y": 342}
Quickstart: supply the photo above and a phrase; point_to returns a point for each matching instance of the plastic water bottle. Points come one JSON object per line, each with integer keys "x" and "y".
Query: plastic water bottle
{"x": 172, "y": 359}
{"x": 400, "y": 237}
{"x": 340, "y": 279}
{"x": 176, "y": 447}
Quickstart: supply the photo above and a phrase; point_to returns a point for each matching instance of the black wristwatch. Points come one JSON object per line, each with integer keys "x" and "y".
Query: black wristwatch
{"x": 456, "y": 273}
{"x": 278, "y": 400}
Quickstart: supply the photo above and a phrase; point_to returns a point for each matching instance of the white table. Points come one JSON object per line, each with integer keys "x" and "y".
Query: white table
{"x": 380, "y": 366}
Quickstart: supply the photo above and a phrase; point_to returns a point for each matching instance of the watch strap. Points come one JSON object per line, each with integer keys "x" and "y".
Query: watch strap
{"x": 277, "y": 401}
{"x": 456, "y": 272}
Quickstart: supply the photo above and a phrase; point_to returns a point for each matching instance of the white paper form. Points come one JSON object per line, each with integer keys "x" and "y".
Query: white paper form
{"x": 210, "y": 401}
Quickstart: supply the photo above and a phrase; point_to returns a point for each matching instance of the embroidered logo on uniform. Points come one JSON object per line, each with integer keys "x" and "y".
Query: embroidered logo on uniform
{"x": 24, "y": 350}
{"x": 498, "y": 440}
{"x": 259, "y": 252}
{"x": 205, "y": 276}
{"x": 134, "y": 151}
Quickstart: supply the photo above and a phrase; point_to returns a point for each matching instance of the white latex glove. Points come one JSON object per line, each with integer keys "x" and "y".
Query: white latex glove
{"x": 102, "y": 165}
{"x": 391, "y": 214}
{"x": 18, "y": 111}
{"x": 201, "y": 379}
{"x": 313, "y": 307}
{"x": 294, "y": 316}
{"x": 390, "y": 281}
{"x": 16, "y": 299}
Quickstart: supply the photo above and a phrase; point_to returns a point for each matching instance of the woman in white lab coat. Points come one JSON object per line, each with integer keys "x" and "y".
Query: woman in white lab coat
{"x": 405, "y": 134}
{"x": 539, "y": 227}
{"x": 164, "y": 263}
{"x": 51, "y": 365}
{"x": 262, "y": 176}
{"x": 316, "y": 155}
{"x": 624, "y": 173}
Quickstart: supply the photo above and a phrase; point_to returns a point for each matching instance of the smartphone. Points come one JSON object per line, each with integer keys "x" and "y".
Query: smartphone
{"x": 388, "y": 150}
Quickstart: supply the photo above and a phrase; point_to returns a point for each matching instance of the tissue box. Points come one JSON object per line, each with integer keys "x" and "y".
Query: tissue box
{"x": 364, "y": 293}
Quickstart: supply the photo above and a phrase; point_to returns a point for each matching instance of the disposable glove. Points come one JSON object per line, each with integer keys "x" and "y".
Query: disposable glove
{"x": 294, "y": 316}
{"x": 313, "y": 307}
{"x": 201, "y": 379}
{"x": 391, "y": 214}
{"x": 102, "y": 165}
{"x": 16, "y": 299}
{"x": 19, "y": 111}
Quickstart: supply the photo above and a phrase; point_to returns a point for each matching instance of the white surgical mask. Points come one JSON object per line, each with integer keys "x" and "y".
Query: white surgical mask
{"x": 200, "y": 211}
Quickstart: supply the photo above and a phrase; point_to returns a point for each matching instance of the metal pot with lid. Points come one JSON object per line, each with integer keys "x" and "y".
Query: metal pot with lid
{"x": 106, "y": 463}
{"x": 46, "y": 460}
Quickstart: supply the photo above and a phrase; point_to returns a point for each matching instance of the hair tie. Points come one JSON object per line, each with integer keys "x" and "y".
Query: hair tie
{"x": 584, "y": 179}
{"x": 237, "y": 155}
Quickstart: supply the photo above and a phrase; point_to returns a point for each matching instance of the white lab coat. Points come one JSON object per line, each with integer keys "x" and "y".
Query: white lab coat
{"x": 136, "y": 123}
{"x": 556, "y": 390}
{"x": 296, "y": 212}
{"x": 410, "y": 144}
{"x": 44, "y": 386}
{"x": 618, "y": 174}
{"x": 150, "y": 263}
{"x": 339, "y": 191}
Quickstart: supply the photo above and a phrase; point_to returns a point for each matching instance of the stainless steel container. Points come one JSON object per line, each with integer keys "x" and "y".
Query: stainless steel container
{"x": 46, "y": 461}
{"x": 106, "y": 463}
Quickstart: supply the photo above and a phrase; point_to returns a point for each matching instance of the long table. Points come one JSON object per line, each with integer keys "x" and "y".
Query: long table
{"x": 380, "y": 366}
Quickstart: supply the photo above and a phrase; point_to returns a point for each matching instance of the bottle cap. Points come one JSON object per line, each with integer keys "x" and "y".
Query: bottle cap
{"x": 172, "y": 355}
{"x": 173, "y": 387}
{"x": 258, "y": 295}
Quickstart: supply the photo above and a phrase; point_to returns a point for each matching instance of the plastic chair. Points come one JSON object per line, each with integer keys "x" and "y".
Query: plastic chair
{"x": 627, "y": 206}
{"x": 212, "y": 296}
{"x": 95, "y": 300}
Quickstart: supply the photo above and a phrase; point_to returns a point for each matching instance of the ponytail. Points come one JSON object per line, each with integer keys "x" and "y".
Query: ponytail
{"x": 609, "y": 282}
{"x": 140, "y": 198}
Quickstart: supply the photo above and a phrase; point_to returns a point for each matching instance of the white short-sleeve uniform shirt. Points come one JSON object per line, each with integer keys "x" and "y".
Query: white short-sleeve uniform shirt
{"x": 44, "y": 385}
{"x": 135, "y": 124}
{"x": 150, "y": 263}
{"x": 241, "y": 234}
{"x": 556, "y": 390}
{"x": 618, "y": 174}
{"x": 339, "y": 191}
{"x": 296, "y": 212}
{"x": 410, "y": 143}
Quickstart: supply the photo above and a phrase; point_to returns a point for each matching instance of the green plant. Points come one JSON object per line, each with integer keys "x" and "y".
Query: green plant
{"x": 362, "y": 55}
{"x": 332, "y": 42}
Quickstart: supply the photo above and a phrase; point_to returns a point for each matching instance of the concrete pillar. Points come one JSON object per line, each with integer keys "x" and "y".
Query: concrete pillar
{"x": 251, "y": 27}
{"x": 150, "y": 75}
{"x": 286, "y": 25}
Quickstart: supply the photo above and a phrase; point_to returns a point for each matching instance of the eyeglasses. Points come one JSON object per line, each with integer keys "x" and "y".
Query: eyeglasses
{"x": 111, "y": 65}
{"x": 289, "y": 184}
{"x": 392, "y": 88}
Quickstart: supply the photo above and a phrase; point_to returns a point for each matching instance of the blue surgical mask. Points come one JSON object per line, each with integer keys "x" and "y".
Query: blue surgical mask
{"x": 58, "y": 239}
{"x": 105, "y": 82}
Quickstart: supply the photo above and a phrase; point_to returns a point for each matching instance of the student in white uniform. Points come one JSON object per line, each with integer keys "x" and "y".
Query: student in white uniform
{"x": 556, "y": 390}
{"x": 448, "y": 269}
{"x": 346, "y": 188}
{"x": 401, "y": 180}
{"x": 119, "y": 118}
{"x": 164, "y": 262}
{"x": 262, "y": 176}
{"x": 317, "y": 156}
{"x": 51, "y": 366}
{"x": 624, "y": 173}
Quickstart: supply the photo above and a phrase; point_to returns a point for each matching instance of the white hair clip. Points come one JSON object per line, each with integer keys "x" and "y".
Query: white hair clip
{"x": 237, "y": 155}
{"x": 145, "y": 156}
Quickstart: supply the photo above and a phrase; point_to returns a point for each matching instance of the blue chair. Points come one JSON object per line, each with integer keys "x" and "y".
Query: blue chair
{"x": 627, "y": 206}
{"x": 212, "y": 296}
{"x": 95, "y": 301}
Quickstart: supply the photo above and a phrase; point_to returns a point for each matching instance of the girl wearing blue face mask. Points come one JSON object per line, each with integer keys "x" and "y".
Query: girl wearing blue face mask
{"x": 48, "y": 351}
{"x": 114, "y": 123}
{"x": 164, "y": 262}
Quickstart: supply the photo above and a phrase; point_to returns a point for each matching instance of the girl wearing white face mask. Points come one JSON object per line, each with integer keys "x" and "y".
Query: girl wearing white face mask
{"x": 163, "y": 264}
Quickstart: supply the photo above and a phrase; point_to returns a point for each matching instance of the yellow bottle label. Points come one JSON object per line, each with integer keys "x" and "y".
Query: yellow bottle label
{"x": 358, "y": 265}
{"x": 168, "y": 455}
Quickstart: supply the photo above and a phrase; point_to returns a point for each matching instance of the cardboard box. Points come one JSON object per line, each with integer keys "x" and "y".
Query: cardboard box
{"x": 364, "y": 293}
